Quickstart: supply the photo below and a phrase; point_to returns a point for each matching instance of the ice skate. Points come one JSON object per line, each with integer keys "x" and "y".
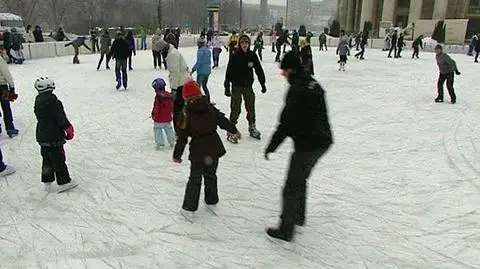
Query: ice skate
{"x": 232, "y": 138}
{"x": 47, "y": 186}
{"x": 254, "y": 133}
{"x": 439, "y": 100}
{"x": 66, "y": 187}
{"x": 278, "y": 234}
{"x": 7, "y": 171}
{"x": 12, "y": 133}
{"x": 212, "y": 209}
{"x": 119, "y": 85}
{"x": 188, "y": 215}
{"x": 453, "y": 101}
{"x": 159, "y": 147}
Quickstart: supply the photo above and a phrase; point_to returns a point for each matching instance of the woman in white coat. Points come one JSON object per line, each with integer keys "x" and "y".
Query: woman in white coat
{"x": 7, "y": 95}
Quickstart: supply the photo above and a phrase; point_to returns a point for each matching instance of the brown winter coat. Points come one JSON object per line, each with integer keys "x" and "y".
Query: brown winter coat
{"x": 199, "y": 121}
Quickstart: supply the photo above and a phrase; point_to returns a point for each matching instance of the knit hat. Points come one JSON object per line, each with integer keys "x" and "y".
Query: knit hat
{"x": 201, "y": 42}
{"x": 291, "y": 60}
{"x": 158, "y": 84}
{"x": 191, "y": 89}
{"x": 244, "y": 38}
{"x": 438, "y": 47}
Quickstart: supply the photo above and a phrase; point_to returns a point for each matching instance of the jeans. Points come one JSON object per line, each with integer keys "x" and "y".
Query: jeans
{"x": 202, "y": 81}
{"x": 157, "y": 59}
{"x": 143, "y": 43}
{"x": 121, "y": 71}
{"x": 7, "y": 110}
{"x": 449, "y": 77}
{"x": 159, "y": 128}
{"x": 194, "y": 185}
{"x": 216, "y": 56}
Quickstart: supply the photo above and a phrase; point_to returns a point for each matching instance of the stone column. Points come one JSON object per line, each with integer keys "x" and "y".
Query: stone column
{"x": 415, "y": 11}
{"x": 440, "y": 9}
{"x": 367, "y": 12}
{"x": 342, "y": 13}
{"x": 388, "y": 11}
{"x": 350, "y": 15}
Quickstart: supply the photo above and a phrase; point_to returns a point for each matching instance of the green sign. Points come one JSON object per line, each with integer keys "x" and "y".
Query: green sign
{"x": 213, "y": 5}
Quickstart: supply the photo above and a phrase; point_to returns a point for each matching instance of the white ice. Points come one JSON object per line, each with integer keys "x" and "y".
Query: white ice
{"x": 400, "y": 188}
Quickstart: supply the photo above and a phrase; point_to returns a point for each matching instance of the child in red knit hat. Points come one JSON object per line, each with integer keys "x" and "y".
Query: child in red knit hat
{"x": 199, "y": 121}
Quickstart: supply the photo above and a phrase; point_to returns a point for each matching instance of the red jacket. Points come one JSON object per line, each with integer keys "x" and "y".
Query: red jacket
{"x": 163, "y": 108}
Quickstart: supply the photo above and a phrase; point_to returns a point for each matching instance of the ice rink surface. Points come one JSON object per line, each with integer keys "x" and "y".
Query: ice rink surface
{"x": 400, "y": 188}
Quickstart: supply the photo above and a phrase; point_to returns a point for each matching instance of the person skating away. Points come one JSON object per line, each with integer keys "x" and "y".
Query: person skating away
{"x": 5, "y": 170}
{"x": 394, "y": 45}
{"x": 281, "y": 42}
{"x": 143, "y": 38}
{"x": 120, "y": 51}
{"x": 162, "y": 115}
{"x": 363, "y": 43}
{"x": 199, "y": 121}
{"x": 232, "y": 43}
{"x": 203, "y": 66}
{"x": 306, "y": 56}
{"x": 157, "y": 47}
{"x": 273, "y": 40}
{"x": 305, "y": 120}
{"x": 216, "y": 44}
{"x": 53, "y": 129}
{"x": 477, "y": 50}
{"x": 77, "y": 43}
{"x": 240, "y": 76}
{"x": 471, "y": 46}
{"x": 258, "y": 45}
{"x": 105, "y": 43}
{"x": 177, "y": 72}
{"x": 322, "y": 40}
{"x": 133, "y": 51}
{"x": 448, "y": 69}
{"x": 416, "y": 45}
{"x": 400, "y": 44}
{"x": 358, "y": 40}
{"x": 7, "y": 95}
{"x": 177, "y": 37}
{"x": 94, "y": 40}
{"x": 343, "y": 50}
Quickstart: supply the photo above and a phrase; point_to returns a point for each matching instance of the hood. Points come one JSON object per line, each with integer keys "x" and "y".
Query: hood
{"x": 45, "y": 99}
{"x": 198, "y": 105}
{"x": 244, "y": 37}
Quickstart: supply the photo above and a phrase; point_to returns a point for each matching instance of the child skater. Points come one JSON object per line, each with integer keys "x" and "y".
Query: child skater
{"x": 199, "y": 121}
{"x": 343, "y": 50}
{"x": 53, "y": 128}
{"x": 162, "y": 114}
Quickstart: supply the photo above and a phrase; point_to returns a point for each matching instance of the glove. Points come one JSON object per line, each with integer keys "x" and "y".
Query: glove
{"x": 69, "y": 133}
{"x": 264, "y": 89}
{"x": 457, "y": 72}
{"x": 177, "y": 160}
{"x": 228, "y": 93}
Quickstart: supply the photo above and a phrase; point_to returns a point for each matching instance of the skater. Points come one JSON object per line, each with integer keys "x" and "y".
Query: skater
{"x": 400, "y": 44}
{"x": 448, "y": 69}
{"x": 170, "y": 38}
{"x": 203, "y": 66}
{"x": 306, "y": 56}
{"x": 217, "y": 44}
{"x": 157, "y": 46}
{"x": 281, "y": 41}
{"x": 273, "y": 40}
{"x": 120, "y": 51}
{"x": 416, "y": 45}
{"x": 258, "y": 45}
{"x": 77, "y": 43}
{"x": 322, "y": 40}
{"x": 295, "y": 41}
{"x": 38, "y": 34}
{"x": 7, "y": 45}
{"x": 209, "y": 35}
{"x": 60, "y": 35}
{"x": 7, "y": 95}
{"x": 394, "y": 45}
{"x": 177, "y": 37}
{"x": 343, "y": 50}
{"x": 53, "y": 129}
{"x": 133, "y": 51}
{"x": 387, "y": 45}
{"x": 162, "y": 114}
{"x": 105, "y": 43}
{"x": 240, "y": 75}
{"x": 363, "y": 43}
{"x": 477, "y": 50}
{"x": 94, "y": 40}
{"x": 199, "y": 121}
{"x": 305, "y": 120}
{"x": 17, "y": 47}
{"x": 143, "y": 38}
{"x": 285, "y": 44}
{"x": 471, "y": 46}
{"x": 178, "y": 71}
{"x": 30, "y": 37}
{"x": 232, "y": 43}
{"x": 5, "y": 170}
{"x": 358, "y": 40}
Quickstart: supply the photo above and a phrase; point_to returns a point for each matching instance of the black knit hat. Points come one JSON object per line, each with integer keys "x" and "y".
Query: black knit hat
{"x": 438, "y": 47}
{"x": 291, "y": 60}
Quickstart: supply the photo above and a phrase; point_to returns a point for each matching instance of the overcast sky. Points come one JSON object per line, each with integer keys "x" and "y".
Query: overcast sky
{"x": 273, "y": 2}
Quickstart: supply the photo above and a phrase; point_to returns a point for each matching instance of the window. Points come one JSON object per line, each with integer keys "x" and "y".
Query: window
{"x": 403, "y": 3}
{"x": 474, "y": 3}
{"x": 11, "y": 23}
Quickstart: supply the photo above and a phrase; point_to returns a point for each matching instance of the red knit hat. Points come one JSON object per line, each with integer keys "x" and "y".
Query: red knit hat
{"x": 191, "y": 89}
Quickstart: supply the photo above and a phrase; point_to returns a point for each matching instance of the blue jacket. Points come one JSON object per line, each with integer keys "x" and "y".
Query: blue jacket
{"x": 131, "y": 43}
{"x": 203, "y": 66}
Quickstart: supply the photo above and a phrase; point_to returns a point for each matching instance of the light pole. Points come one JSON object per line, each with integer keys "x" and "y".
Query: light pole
{"x": 241, "y": 14}
{"x": 286, "y": 14}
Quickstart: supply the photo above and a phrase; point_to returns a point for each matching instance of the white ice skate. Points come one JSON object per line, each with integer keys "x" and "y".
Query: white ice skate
{"x": 8, "y": 171}
{"x": 188, "y": 215}
{"x": 47, "y": 186}
{"x": 212, "y": 209}
{"x": 66, "y": 187}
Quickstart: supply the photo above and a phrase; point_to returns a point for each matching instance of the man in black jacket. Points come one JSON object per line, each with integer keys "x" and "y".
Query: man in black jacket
{"x": 400, "y": 45}
{"x": 240, "y": 75}
{"x": 120, "y": 51}
{"x": 305, "y": 120}
{"x": 394, "y": 45}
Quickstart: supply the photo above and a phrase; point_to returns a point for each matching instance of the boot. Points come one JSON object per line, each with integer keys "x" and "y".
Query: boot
{"x": 12, "y": 133}
{"x": 284, "y": 232}
{"x": 119, "y": 84}
{"x": 254, "y": 132}
{"x": 232, "y": 138}
{"x": 439, "y": 100}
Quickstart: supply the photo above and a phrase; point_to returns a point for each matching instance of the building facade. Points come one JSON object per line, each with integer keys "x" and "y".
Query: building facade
{"x": 353, "y": 14}
{"x": 298, "y": 12}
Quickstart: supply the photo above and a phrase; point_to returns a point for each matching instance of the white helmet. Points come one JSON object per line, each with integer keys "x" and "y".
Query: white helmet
{"x": 44, "y": 84}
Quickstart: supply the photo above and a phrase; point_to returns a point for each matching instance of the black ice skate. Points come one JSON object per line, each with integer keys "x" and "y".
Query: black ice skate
{"x": 454, "y": 101}
{"x": 439, "y": 100}
{"x": 254, "y": 132}
{"x": 232, "y": 138}
{"x": 278, "y": 234}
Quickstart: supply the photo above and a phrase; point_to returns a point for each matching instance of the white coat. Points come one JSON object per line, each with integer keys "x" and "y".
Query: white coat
{"x": 5, "y": 75}
{"x": 177, "y": 68}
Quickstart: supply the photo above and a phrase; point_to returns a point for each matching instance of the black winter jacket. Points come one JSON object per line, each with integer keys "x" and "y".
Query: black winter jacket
{"x": 307, "y": 59}
{"x": 240, "y": 69}
{"x": 51, "y": 120}
{"x": 304, "y": 117}
{"x": 120, "y": 48}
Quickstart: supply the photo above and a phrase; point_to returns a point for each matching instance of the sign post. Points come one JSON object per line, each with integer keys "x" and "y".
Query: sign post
{"x": 213, "y": 9}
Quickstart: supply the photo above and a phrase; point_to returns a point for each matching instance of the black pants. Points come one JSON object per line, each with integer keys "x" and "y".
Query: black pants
{"x": 54, "y": 166}
{"x": 102, "y": 55}
{"x": 279, "y": 52}
{"x": 259, "y": 52}
{"x": 476, "y": 56}
{"x": 178, "y": 104}
{"x": 416, "y": 51}
{"x": 157, "y": 59}
{"x": 121, "y": 71}
{"x": 7, "y": 110}
{"x": 273, "y": 47}
{"x": 361, "y": 53}
{"x": 164, "y": 56}
{"x": 199, "y": 170}
{"x": 216, "y": 56}
{"x": 394, "y": 49}
{"x": 75, "y": 56}
{"x": 130, "y": 60}
{"x": 295, "y": 189}
{"x": 322, "y": 45}
{"x": 399, "y": 52}
{"x": 95, "y": 46}
{"x": 449, "y": 77}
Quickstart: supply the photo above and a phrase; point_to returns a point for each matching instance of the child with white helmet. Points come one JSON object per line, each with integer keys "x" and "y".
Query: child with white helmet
{"x": 53, "y": 129}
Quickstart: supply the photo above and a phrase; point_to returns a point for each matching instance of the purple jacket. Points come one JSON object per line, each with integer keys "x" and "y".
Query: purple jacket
{"x": 131, "y": 43}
